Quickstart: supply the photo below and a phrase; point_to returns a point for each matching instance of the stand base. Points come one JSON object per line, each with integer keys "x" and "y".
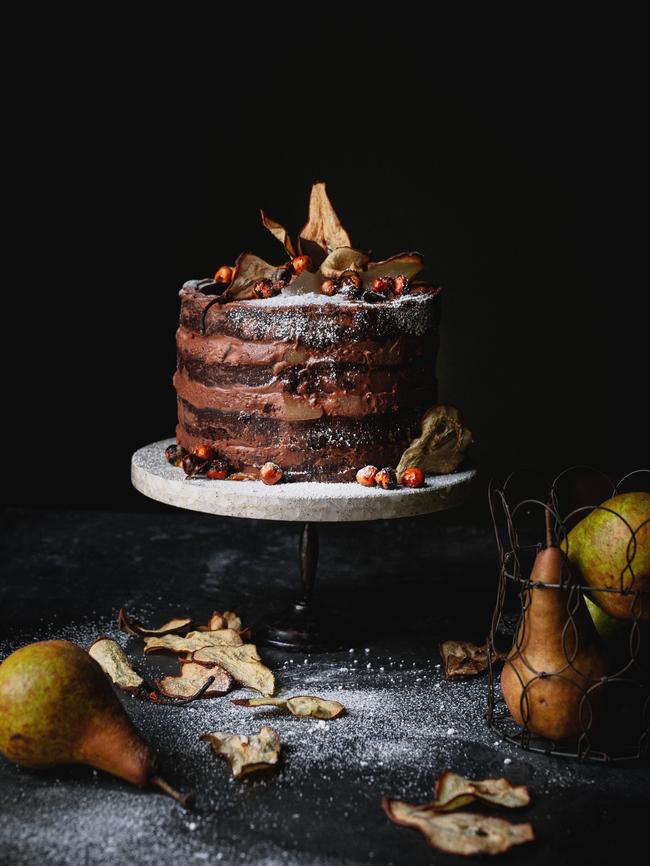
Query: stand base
{"x": 303, "y": 627}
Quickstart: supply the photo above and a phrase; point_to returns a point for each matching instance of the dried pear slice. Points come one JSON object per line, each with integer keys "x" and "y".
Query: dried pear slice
{"x": 303, "y": 706}
{"x": 459, "y": 832}
{"x": 192, "y": 641}
{"x": 442, "y": 443}
{"x": 246, "y": 754}
{"x": 278, "y": 231}
{"x": 243, "y": 663}
{"x": 461, "y": 658}
{"x": 248, "y": 268}
{"x": 216, "y": 622}
{"x": 406, "y": 264}
{"x": 233, "y": 621}
{"x": 454, "y": 791}
{"x": 323, "y": 231}
{"x": 343, "y": 259}
{"x": 112, "y": 659}
{"x": 134, "y": 627}
{"x": 192, "y": 679}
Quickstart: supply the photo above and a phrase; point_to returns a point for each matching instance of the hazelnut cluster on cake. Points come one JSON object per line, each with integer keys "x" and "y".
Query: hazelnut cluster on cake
{"x": 321, "y": 365}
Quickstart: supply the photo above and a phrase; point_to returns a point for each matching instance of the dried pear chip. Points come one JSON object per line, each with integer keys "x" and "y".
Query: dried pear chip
{"x": 441, "y": 446}
{"x": 243, "y": 663}
{"x": 192, "y": 641}
{"x": 343, "y": 259}
{"x": 303, "y": 706}
{"x": 463, "y": 659}
{"x": 216, "y": 622}
{"x": 304, "y": 283}
{"x": 454, "y": 791}
{"x": 459, "y": 832}
{"x": 323, "y": 231}
{"x": 404, "y": 264}
{"x": 133, "y": 626}
{"x": 278, "y": 231}
{"x": 112, "y": 659}
{"x": 246, "y": 754}
{"x": 248, "y": 268}
{"x": 192, "y": 679}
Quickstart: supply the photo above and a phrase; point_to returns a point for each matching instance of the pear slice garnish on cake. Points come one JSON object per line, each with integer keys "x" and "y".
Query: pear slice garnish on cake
{"x": 406, "y": 265}
{"x": 323, "y": 231}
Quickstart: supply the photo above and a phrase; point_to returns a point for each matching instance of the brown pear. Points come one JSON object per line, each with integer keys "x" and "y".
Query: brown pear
{"x": 557, "y": 655}
{"x": 58, "y": 707}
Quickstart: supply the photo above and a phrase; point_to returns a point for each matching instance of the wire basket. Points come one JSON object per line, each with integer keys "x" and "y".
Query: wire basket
{"x": 563, "y": 678}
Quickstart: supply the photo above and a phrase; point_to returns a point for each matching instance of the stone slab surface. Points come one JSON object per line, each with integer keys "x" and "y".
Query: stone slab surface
{"x": 303, "y": 500}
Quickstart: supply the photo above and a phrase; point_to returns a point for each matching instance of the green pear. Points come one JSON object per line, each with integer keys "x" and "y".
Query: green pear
{"x": 598, "y": 548}
{"x": 556, "y": 657}
{"x": 58, "y": 707}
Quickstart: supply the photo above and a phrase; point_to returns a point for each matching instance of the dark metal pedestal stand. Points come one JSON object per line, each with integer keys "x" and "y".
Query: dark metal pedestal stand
{"x": 303, "y": 625}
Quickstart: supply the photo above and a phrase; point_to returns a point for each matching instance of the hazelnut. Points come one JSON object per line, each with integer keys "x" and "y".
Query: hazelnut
{"x": 350, "y": 278}
{"x": 383, "y": 285}
{"x": 386, "y": 478}
{"x": 301, "y": 264}
{"x": 328, "y": 287}
{"x": 217, "y": 470}
{"x": 224, "y": 274}
{"x": 401, "y": 285}
{"x": 413, "y": 476}
{"x": 366, "y": 476}
{"x": 271, "y": 473}
{"x": 189, "y": 464}
{"x": 263, "y": 289}
{"x": 282, "y": 274}
{"x": 203, "y": 452}
{"x": 174, "y": 454}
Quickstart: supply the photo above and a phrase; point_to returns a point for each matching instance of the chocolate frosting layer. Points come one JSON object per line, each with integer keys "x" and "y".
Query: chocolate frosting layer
{"x": 320, "y": 386}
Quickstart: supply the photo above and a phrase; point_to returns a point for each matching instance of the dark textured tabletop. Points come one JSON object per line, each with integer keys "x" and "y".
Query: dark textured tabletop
{"x": 404, "y": 585}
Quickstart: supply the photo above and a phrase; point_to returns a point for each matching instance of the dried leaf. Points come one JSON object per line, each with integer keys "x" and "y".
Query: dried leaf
{"x": 343, "y": 259}
{"x": 192, "y": 679}
{"x": 278, "y": 231}
{"x": 112, "y": 659}
{"x": 406, "y": 264}
{"x": 462, "y": 658}
{"x": 441, "y": 446}
{"x": 135, "y": 627}
{"x": 459, "y": 832}
{"x": 454, "y": 791}
{"x": 243, "y": 663}
{"x": 323, "y": 231}
{"x": 246, "y": 754}
{"x": 192, "y": 641}
{"x": 303, "y": 706}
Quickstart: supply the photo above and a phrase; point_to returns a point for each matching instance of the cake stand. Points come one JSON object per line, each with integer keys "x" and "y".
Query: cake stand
{"x": 303, "y": 625}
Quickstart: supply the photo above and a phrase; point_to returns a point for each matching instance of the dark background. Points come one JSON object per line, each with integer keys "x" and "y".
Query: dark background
{"x": 516, "y": 174}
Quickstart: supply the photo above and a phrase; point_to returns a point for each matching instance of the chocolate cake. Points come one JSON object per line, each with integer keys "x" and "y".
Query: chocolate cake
{"x": 320, "y": 369}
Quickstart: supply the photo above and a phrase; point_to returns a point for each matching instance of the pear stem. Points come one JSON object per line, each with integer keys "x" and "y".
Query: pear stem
{"x": 185, "y": 800}
{"x": 550, "y": 541}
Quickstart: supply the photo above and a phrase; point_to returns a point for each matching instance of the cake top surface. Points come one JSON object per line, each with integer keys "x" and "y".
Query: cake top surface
{"x": 320, "y": 268}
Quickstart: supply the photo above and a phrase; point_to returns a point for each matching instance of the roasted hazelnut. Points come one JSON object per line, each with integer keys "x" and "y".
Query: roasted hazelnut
{"x": 271, "y": 473}
{"x": 203, "y": 452}
{"x": 282, "y": 274}
{"x": 401, "y": 285}
{"x": 301, "y": 264}
{"x": 217, "y": 470}
{"x": 386, "y": 478}
{"x": 224, "y": 274}
{"x": 366, "y": 476}
{"x": 174, "y": 454}
{"x": 412, "y": 477}
{"x": 264, "y": 289}
{"x": 328, "y": 287}
{"x": 189, "y": 464}
{"x": 383, "y": 285}
{"x": 350, "y": 278}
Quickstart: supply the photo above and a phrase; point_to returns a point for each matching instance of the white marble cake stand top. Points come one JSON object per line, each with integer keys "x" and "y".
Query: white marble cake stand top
{"x": 300, "y": 500}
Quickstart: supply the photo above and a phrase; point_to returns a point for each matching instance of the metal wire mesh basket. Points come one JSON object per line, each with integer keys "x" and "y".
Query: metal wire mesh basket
{"x": 564, "y": 677}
